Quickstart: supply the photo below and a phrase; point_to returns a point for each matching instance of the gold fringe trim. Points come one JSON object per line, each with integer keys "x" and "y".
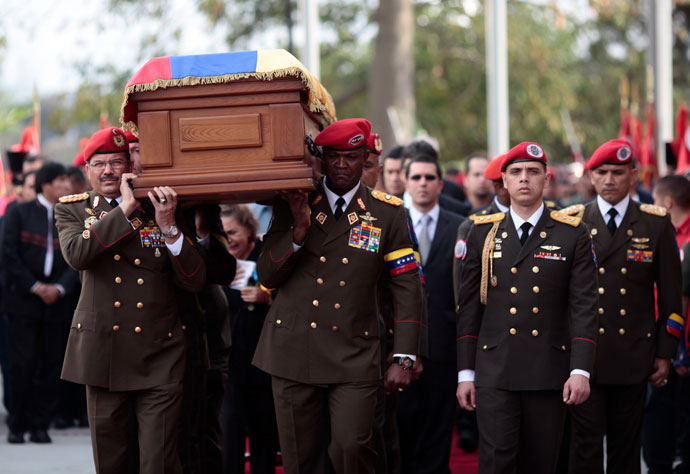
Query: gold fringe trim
{"x": 487, "y": 263}
{"x": 320, "y": 101}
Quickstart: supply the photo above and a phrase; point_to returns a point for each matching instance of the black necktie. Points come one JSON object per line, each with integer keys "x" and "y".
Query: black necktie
{"x": 339, "y": 203}
{"x": 525, "y": 232}
{"x": 114, "y": 203}
{"x": 611, "y": 224}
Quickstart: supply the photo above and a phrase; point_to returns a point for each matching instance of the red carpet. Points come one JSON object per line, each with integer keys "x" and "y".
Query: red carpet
{"x": 460, "y": 461}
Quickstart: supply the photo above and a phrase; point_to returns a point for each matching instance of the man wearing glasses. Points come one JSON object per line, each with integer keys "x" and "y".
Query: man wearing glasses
{"x": 126, "y": 342}
{"x": 427, "y": 409}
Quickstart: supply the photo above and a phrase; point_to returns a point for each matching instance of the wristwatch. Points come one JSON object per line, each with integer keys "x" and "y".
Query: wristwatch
{"x": 405, "y": 362}
{"x": 171, "y": 233}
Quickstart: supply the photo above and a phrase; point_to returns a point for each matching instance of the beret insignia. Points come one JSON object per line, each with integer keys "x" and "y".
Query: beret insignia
{"x": 623, "y": 153}
{"x": 356, "y": 140}
{"x": 378, "y": 146}
{"x": 535, "y": 151}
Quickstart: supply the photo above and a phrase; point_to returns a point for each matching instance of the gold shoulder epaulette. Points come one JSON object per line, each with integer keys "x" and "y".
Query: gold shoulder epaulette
{"x": 654, "y": 210}
{"x": 477, "y": 215}
{"x": 572, "y": 210}
{"x": 499, "y": 216}
{"x": 74, "y": 198}
{"x": 565, "y": 218}
{"x": 387, "y": 198}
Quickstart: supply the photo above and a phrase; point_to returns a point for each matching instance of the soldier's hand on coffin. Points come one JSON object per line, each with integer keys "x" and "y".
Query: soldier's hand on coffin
{"x": 659, "y": 377}
{"x": 164, "y": 200}
{"x": 299, "y": 206}
{"x": 129, "y": 203}
{"x": 466, "y": 396}
{"x": 576, "y": 389}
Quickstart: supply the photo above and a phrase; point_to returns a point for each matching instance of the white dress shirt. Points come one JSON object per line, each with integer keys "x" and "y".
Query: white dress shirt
{"x": 621, "y": 209}
{"x": 50, "y": 251}
{"x": 500, "y": 206}
{"x": 416, "y": 217}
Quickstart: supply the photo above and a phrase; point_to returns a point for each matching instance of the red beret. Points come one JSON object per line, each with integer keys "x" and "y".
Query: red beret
{"x": 374, "y": 144}
{"x": 79, "y": 159}
{"x": 493, "y": 171}
{"x": 345, "y": 135}
{"x": 131, "y": 137}
{"x": 525, "y": 151}
{"x": 107, "y": 140}
{"x": 613, "y": 152}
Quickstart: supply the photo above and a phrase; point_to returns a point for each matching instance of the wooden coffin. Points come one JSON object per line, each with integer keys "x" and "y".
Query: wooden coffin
{"x": 241, "y": 141}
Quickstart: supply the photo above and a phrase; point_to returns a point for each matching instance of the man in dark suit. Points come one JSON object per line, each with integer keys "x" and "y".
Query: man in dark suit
{"x": 326, "y": 253}
{"x": 39, "y": 295}
{"x": 526, "y": 323}
{"x": 127, "y": 342}
{"x": 636, "y": 252}
{"x": 426, "y": 411}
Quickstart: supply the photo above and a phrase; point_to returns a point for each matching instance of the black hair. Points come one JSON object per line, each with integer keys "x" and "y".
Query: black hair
{"x": 47, "y": 173}
{"x": 423, "y": 159}
{"x": 419, "y": 147}
{"x": 676, "y": 187}
{"x": 479, "y": 154}
{"x": 76, "y": 174}
{"x": 395, "y": 152}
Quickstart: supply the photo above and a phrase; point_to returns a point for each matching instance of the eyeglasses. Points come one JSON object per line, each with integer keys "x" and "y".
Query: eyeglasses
{"x": 428, "y": 177}
{"x": 114, "y": 164}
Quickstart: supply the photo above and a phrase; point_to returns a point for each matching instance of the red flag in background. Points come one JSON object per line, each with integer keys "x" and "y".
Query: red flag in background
{"x": 636, "y": 125}
{"x": 625, "y": 132}
{"x": 681, "y": 125}
{"x": 683, "y": 152}
{"x": 648, "y": 165}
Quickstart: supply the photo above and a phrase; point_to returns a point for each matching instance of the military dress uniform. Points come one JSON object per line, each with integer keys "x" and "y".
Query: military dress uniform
{"x": 640, "y": 256}
{"x": 322, "y": 332}
{"x": 126, "y": 337}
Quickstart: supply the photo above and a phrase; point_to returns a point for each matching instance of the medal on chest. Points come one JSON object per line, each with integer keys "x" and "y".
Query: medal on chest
{"x": 150, "y": 236}
{"x": 365, "y": 235}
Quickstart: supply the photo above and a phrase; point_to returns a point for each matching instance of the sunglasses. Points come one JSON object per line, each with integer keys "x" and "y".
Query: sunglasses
{"x": 428, "y": 177}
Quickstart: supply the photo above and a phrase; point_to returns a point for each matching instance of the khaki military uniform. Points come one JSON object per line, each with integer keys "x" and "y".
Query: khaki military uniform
{"x": 320, "y": 339}
{"x": 538, "y": 323}
{"x": 640, "y": 256}
{"x": 126, "y": 341}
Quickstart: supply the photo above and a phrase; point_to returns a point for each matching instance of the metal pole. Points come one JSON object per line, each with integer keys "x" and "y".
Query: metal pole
{"x": 312, "y": 59}
{"x": 663, "y": 42}
{"x": 497, "y": 77}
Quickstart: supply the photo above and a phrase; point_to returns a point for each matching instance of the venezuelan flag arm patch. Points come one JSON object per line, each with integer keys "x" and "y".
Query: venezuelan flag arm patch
{"x": 674, "y": 325}
{"x": 400, "y": 261}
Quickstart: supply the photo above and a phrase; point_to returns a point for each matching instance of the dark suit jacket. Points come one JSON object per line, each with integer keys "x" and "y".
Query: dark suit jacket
{"x": 629, "y": 336}
{"x": 126, "y": 332}
{"x": 24, "y": 247}
{"x": 540, "y": 320}
{"x": 438, "y": 274}
{"x": 323, "y": 326}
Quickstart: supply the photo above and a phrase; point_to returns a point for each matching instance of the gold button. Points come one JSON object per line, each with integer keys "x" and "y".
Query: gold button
{"x": 322, "y": 259}
{"x": 601, "y": 310}
{"x": 630, "y": 232}
{"x": 169, "y": 334}
{"x": 535, "y": 310}
{"x": 117, "y": 304}
{"x": 116, "y": 328}
{"x": 457, "y": 308}
{"x": 623, "y": 312}
{"x": 513, "y": 290}
{"x": 118, "y": 280}
{"x": 513, "y": 331}
{"x": 621, "y": 331}
{"x": 601, "y": 290}
{"x": 649, "y": 334}
{"x": 366, "y": 333}
{"x": 319, "y": 281}
{"x": 184, "y": 328}
{"x": 313, "y": 325}
{"x": 336, "y": 306}
{"x": 513, "y": 270}
{"x": 315, "y": 302}
{"x": 535, "y": 333}
{"x": 624, "y": 270}
{"x": 602, "y": 330}
{"x": 535, "y": 269}
{"x": 278, "y": 321}
{"x": 602, "y": 271}
{"x": 140, "y": 281}
{"x": 78, "y": 325}
{"x": 342, "y": 283}
{"x": 334, "y": 329}
{"x": 116, "y": 257}
{"x": 137, "y": 329}
{"x": 390, "y": 331}
{"x": 623, "y": 291}
{"x": 137, "y": 261}
{"x": 140, "y": 305}
{"x": 345, "y": 261}
{"x": 513, "y": 310}
{"x": 535, "y": 289}
{"x": 563, "y": 348}
{"x": 485, "y": 347}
